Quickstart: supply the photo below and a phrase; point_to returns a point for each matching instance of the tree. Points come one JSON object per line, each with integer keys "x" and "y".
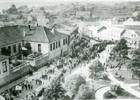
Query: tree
{"x": 95, "y": 67}
{"x": 85, "y": 92}
{"x": 121, "y": 48}
{"x": 55, "y": 91}
{"x": 73, "y": 83}
{"x": 12, "y": 9}
{"x": 28, "y": 46}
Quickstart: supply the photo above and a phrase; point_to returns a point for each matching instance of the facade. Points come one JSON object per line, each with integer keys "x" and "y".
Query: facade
{"x": 131, "y": 24}
{"x": 45, "y": 40}
{"x": 95, "y": 31}
{"x": 112, "y": 33}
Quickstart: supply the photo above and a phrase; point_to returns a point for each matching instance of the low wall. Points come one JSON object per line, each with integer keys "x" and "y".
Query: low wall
{"x": 15, "y": 74}
{"x": 41, "y": 61}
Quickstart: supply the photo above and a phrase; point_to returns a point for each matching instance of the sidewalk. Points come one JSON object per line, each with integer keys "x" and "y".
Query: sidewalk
{"x": 124, "y": 86}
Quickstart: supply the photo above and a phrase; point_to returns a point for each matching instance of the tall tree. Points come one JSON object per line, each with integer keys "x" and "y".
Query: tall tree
{"x": 73, "y": 83}
{"x": 121, "y": 48}
{"x": 95, "y": 67}
{"x": 55, "y": 91}
{"x": 12, "y": 9}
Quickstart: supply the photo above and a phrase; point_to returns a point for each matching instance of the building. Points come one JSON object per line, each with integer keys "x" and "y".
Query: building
{"x": 41, "y": 20}
{"x": 131, "y": 24}
{"x": 95, "y": 31}
{"x": 132, "y": 37}
{"x": 45, "y": 40}
{"x": 112, "y": 33}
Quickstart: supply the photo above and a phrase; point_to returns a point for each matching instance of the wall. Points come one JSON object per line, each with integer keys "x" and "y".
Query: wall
{"x": 42, "y": 61}
{"x": 57, "y": 52}
{"x": 44, "y": 47}
{"x": 17, "y": 51}
{"x": 14, "y": 75}
{"x": 3, "y": 74}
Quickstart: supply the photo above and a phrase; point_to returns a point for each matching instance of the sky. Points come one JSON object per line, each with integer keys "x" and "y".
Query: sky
{"x": 5, "y": 4}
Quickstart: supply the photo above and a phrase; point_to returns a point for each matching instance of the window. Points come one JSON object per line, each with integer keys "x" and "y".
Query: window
{"x": 9, "y": 49}
{"x": 66, "y": 41}
{"x": 59, "y": 43}
{"x": 50, "y": 47}
{"x": 39, "y": 47}
{"x": 14, "y": 48}
{"x": 63, "y": 41}
{"x": 56, "y": 45}
{"x": 53, "y": 46}
{"x": 19, "y": 46}
{"x": 4, "y": 66}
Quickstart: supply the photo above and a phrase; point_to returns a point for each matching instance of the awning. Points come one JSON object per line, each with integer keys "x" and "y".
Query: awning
{"x": 23, "y": 48}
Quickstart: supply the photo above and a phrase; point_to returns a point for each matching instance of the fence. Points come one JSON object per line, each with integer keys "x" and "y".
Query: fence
{"x": 38, "y": 61}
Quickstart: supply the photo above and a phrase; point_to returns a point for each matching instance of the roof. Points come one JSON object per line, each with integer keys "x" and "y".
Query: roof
{"x": 3, "y": 57}
{"x": 127, "y": 33}
{"x": 116, "y": 30}
{"x": 43, "y": 34}
{"x": 10, "y": 34}
{"x": 54, "y": 36}
{"x": 37, "y": 34}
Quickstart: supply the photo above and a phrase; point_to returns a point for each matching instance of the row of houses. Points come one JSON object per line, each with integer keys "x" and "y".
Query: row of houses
{"x": 115, "y": 34}
{"x": 47, "y": 41}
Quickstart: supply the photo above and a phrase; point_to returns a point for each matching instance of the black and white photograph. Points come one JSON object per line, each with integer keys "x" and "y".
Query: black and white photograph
{"x": 69, "y": 49}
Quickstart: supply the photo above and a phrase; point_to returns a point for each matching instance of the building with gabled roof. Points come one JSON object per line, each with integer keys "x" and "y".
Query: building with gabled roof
{"x": 47, "y": 40}
{"x": 132, "y": 37}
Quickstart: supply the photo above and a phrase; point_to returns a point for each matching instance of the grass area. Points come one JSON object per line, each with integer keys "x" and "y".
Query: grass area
{"x": 136, "y": 88}
{"x": 125, "y": 76}
{"x": 98, "y": 83}
{"x": 121, "y": 95}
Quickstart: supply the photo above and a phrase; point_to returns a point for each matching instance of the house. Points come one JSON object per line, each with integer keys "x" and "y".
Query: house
{"x": 45, "y": 40}
{"x": 95, "y": 31}
{"x": 112, "y": 33}
{"x": 132, "y": 37}
{"x": 84, "y": 14}
{"x": 41, "y": 20}
{"x": 11, "y": 41}
{"x": 132, "y": 24}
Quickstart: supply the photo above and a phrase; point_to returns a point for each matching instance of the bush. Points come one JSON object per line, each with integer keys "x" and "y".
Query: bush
{"x": 85, "y": 92}
{"x": 109, "y": 95}
{"x": 105, "y": 76}
{"x": 115, "y": 88}
{"x": 73, "y": 83}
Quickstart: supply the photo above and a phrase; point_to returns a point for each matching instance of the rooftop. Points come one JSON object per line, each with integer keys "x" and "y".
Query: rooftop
{"x": 44, "y": 34}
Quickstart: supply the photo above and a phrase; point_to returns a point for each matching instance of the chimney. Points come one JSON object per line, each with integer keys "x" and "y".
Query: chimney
{"x": 24, "y": 32}
{"x": 52, "y": 28}
{"x": 29, "y": 27}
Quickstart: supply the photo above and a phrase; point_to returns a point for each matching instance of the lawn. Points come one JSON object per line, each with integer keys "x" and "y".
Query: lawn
{"x": 122, "y": 95}
{"x": 125, "y": 76}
